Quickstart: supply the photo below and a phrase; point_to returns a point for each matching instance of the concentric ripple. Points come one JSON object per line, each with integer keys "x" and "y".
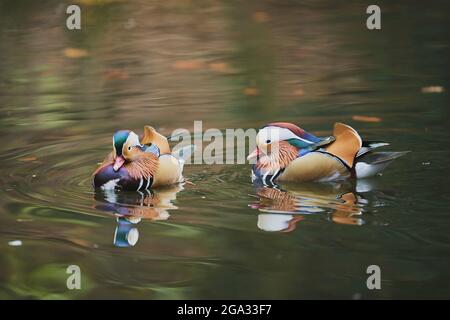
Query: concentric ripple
{"x": 56, "y": 175}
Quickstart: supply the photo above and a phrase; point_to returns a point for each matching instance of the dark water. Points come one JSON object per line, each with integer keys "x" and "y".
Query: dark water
{"x": 232, "y": 65}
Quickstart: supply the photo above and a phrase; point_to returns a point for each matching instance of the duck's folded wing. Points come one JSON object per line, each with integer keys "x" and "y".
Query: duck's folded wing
{"x": 315, "y": 166}
{"x": 311, "y": 145}
{"x": 169, "y": 171}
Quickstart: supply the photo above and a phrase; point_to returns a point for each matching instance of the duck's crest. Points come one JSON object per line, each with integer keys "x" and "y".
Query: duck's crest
{"x": 299, "y": 132}
{"x": 292, "y": 127}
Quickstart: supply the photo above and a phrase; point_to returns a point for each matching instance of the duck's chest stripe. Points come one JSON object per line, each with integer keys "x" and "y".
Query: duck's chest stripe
{"x": 267, "y": 178}
{"x": 270, "y": 179}
{"x": 145, "y": 184}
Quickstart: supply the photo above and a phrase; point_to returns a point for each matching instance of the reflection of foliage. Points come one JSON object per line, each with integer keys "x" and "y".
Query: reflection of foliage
{"x": 255, "y": 44}
{"x": 46, "y": 281}
{"x": 164, "y": 292}
{"x": 52, "y": 213}
{"x": 182, "y": 231}
{"x": 231, "y": 64}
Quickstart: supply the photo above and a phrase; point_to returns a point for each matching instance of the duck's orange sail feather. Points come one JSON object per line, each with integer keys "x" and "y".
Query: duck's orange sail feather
{"x": 347, "y": 143}
{"x": 152, "y": 136}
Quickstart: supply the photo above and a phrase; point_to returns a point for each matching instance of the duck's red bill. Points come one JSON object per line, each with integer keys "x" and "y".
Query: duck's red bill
{"x": 254, "y": 154}
{"x": 118, "y": 163}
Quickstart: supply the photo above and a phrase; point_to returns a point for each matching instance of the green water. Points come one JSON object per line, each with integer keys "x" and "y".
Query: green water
{"x": 232, "y": 65}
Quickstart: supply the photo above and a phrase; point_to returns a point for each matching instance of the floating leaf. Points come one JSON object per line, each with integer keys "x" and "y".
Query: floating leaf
{"x": 366, "y": 119}
{"x": 221, "y": 67}
{"x": 261, "y": 17}
{"x": 298, "y": 92}
{"x": 116, "y": 74}
{"x": 189, "y": 183}
{"x": 28, "y": 159}
{"x": 188, "y": 64}
{"x": 250, "y": 91}
{"x": 433, "y": 89}
{"x": 74, "y": 53}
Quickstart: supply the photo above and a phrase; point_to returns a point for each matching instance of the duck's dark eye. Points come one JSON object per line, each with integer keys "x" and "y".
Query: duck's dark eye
{"x": 268, "y": 141}
{"x": 129, "y": 148}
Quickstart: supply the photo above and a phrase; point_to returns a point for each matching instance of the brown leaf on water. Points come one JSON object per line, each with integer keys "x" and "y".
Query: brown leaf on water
{"x": 298, "y": 92}
{"x": 366, "y": 119}
{"x": 28, "y": 159}
{"x": 188, "y": 65}
{"x": 74, "y": 53}
{"x": 261, "y": 17}
{"x": 221, "y": 67}
{"x": 116, "y": 74}
{"x": 250, "y": 91}
{"x": 433, "y": 89}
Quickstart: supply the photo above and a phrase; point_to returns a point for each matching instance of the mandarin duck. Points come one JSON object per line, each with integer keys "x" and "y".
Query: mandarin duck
{"x": 285, "y": 152}
{"x": 140, "y": 165}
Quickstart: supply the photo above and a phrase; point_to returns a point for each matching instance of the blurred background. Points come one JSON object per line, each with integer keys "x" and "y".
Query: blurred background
{"x": 231, "y": 64}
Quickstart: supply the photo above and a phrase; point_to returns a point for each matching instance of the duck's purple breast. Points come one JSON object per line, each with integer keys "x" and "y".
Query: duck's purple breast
{"x": 118, "y": 179}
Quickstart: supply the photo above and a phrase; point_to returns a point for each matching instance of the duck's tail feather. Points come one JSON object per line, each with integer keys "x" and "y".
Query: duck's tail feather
{"x": 369, "y": 164}
{"x": 368, "y": 146}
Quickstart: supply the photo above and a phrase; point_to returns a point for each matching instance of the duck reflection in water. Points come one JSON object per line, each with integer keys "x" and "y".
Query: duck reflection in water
{"x": 284, "y": 207}
{"x": 130, "y": 208}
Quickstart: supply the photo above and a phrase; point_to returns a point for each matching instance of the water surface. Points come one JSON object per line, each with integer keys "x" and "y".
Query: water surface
{"x": 232, "y": 65}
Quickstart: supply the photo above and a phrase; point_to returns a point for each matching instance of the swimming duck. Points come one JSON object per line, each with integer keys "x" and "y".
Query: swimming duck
{"x": 139, "y": 165}
{"x": 285, "y": 152}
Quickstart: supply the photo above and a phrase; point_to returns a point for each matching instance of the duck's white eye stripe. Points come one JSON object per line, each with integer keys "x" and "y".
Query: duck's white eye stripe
{"x": 133, "y": 139}
{"x": 277, "y": 134}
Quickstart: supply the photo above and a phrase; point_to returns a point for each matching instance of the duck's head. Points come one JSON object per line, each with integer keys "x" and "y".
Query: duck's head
{"x": 126, "y": 147}
{"x": 270, "y": 137}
